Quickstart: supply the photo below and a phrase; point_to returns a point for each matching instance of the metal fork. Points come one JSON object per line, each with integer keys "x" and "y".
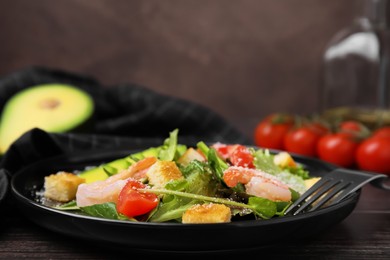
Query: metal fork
{"x": 334, "y": 187}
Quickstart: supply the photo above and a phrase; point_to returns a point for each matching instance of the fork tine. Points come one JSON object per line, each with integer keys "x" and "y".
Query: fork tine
{"x": 333, "y": 194}
{"x": 334, "y": 187}
{"x": 321, "y": 183}
{"x": 330, "y": 188}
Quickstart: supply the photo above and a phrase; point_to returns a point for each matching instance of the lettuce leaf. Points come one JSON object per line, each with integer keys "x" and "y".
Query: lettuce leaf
{"x": 104, "y": 210}
{"x": 264, "y": 161}
{"x": 199, "y": 180}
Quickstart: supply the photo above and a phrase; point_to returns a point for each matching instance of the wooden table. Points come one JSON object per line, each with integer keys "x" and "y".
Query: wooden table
{"x": 364, "y": 234}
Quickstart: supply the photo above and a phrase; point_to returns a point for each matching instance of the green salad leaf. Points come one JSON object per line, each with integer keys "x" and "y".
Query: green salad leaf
{"x": 265, "y": 208}
{"x": 202, "y": 183}
{"x": 104, "y": 210}
{"x": 168, "y": 149}
{"x": 216, "y": 163}
{"x": 264, "y": 161}
{"x": 71, "y": 205}
{"x": 199, "y": 180}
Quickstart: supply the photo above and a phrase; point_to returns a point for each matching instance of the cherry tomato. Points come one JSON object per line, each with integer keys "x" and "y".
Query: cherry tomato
{"x": 241, "y": 156}
{"x": 132, "y": 202}
{"x": 350, "y": 125}
{"x": 270, "y": 132}
{"x": 318, "y": 127}
{"x": 354, "y": 129}
{"x": 338, "y": 149}
{"x": 373, "y": 154}
{"x": 223, "y": 150}
{"x": 237, "y": 154}
{"x": 302, "y": 140}
{"x": 382, "y": 132}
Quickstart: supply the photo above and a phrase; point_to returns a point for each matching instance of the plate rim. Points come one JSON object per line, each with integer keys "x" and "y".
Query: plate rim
{"x": 4, "y": 186}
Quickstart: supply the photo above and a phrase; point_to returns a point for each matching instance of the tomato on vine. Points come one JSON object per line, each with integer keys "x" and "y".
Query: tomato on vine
{"x": 350, "y": 125}
{"x": 270, "y": 132}
{"x": 383, "y": 131}
{"x": 319, "y": 127}
{"x": 353, "y": 128}
{"x": 302, "y": 140}
{"x": 338, "y": 149}
{"x": 373, "y": 154}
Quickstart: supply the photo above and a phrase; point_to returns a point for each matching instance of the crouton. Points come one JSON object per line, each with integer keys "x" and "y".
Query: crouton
{"x": 62, "y": 186}
{"x": 162, "y": 172}
{"x": 190, "y": 155}
{"x": 284, "y": 159}
{"x": 207, "y": 213}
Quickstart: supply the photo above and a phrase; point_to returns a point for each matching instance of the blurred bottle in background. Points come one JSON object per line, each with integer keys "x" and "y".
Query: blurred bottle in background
{"x": 356, "y": 74}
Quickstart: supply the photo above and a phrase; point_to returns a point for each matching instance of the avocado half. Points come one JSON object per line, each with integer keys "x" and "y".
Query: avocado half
{"x": 51, "y": 107}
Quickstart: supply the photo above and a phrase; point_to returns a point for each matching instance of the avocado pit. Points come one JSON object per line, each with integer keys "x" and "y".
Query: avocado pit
{"x": 49, "y": 103}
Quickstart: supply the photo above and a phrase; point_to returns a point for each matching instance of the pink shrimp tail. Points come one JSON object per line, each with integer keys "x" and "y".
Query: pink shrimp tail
{"x": 108, "y": 190}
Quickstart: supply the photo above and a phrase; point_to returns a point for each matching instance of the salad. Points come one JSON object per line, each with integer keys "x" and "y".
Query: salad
{"x": 173, "y": 182}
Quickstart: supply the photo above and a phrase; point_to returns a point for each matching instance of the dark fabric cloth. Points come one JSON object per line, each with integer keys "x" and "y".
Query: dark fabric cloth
{"x": 125, "y": 116}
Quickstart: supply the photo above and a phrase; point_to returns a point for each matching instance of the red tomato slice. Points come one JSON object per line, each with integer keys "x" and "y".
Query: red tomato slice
{"x": 236, "y": 154}
{"x": 241, "y": 156}
{"x": 222, "y": 150}
{"x": 132, "y": 202}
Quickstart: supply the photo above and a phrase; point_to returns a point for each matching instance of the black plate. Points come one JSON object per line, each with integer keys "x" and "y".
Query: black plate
{"x": 164, "y": 237}
{"x": 3, "y": 186}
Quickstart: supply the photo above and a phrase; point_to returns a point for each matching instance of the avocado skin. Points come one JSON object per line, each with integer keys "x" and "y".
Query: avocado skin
{"x": 80, "y": 120}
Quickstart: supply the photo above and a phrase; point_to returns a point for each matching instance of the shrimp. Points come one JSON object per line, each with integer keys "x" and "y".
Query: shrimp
{"x": 269, "y": 189}
{"x": 108, "y": 190}
{"x": 257, "y": 183}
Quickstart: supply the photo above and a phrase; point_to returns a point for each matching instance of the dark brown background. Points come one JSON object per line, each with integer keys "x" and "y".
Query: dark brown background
{"x": 242, "y": 58}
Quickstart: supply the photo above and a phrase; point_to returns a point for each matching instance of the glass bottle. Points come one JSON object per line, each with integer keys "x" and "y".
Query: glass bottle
{"x": 356, "y": 62}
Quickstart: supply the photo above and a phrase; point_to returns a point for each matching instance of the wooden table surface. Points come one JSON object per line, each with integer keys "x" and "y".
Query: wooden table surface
{"x": 364, "y": 234}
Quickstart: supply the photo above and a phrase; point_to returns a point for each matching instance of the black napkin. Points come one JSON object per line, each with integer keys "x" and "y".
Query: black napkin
{"x": 126, "y": 116}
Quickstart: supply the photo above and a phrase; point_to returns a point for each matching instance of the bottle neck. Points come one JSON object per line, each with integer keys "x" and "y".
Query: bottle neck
{"x": 377, "y": 12}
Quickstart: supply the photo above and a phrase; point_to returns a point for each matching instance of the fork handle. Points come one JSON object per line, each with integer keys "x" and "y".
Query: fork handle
{"x": 379, "y": 182}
